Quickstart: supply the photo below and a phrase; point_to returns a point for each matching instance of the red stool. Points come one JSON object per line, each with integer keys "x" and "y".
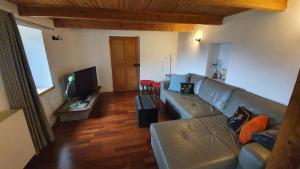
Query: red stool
{"x": 146, "y": 85}
{"x": 156, "y": 87}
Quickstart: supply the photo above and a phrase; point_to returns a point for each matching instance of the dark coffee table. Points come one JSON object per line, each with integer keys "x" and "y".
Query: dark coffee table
{"x": 146, "y": 111}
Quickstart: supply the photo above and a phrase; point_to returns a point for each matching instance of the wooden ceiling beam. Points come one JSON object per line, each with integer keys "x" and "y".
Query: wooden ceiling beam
{"x": 98, "y": 13}
{"x": 273, "y": 5}
{"x": 118, "y": 25}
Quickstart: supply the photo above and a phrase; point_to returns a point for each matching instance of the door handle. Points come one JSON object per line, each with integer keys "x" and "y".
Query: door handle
{"x": 136, "y": 65}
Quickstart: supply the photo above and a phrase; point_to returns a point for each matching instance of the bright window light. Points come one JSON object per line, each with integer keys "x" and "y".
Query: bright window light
{"x": 36, "y": 55}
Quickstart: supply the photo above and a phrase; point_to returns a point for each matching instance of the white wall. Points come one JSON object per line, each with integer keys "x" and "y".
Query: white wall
{"x": 189, "y": 58}
{"x": 265, "y": 55}
{"x": 212, "y": 58}
{"x": 218, "y": 52}
{"x": 81, "y": 48}
{"x": 225, "y": 54}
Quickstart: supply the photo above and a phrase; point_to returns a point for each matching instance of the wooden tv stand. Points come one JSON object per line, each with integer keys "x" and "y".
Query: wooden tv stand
{"x": 67, "y": 113}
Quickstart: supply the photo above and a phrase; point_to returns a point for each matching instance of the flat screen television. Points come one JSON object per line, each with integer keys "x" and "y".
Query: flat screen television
{"x": 85, "y": 81}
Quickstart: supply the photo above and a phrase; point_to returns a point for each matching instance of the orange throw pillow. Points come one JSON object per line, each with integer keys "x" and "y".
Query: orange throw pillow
{"x": 257, "y": 124}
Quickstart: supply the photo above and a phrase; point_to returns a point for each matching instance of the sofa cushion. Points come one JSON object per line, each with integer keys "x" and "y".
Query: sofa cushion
{"x": 197, "y": 86}
{"x": 202, "y": 143}
{"x": 187, "y": 88}
{"x": 195, "y": 77}
{"x": 257, "y": 105}
{"x": 197, "y": 80}
{"x": 216, "y": 93}
{"x": 255, "y": 125}
{"x": 240, "y": 118}
{"x": 267, "y": 138}
{"x": 189, "y": 105}
{"x": 176, "y": 80}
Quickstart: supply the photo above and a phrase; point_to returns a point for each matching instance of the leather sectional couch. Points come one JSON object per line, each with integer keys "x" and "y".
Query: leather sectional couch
{"x": 200, "y": 138}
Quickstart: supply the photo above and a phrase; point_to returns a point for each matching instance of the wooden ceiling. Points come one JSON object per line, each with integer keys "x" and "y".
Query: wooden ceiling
{"x": 160, "y": 15}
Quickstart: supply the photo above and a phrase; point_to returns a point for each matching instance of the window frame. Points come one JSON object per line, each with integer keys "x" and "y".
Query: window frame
{"x": 47, "y": 89}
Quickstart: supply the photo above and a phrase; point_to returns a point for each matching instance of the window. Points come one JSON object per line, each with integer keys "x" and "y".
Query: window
{"x": 36, "y": 55}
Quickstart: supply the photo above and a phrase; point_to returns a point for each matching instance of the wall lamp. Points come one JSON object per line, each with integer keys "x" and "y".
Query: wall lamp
{"x": 57, "y": 37}
{"x": 198, "y": 39}
{"x": 198, "y": 36}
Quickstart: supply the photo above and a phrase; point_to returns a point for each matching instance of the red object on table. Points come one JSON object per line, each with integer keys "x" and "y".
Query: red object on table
{"x": 149, "y": 86}
{"x": 146, "y": 86}
{"x": 156, "y": 85}
{"x": 146, "y": 82}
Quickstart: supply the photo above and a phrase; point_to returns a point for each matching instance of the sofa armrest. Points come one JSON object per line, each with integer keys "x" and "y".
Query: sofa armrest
{"x": 164, "y": 84}
{"x": 253, "y": 156}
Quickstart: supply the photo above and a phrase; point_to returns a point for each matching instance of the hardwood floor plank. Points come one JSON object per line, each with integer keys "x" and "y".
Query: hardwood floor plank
{"x": 109, "y": 139}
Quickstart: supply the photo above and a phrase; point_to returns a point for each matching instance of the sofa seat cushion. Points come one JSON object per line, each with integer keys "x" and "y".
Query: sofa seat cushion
{"x": 200, "y": 143}
{"x": 189, "y": 105}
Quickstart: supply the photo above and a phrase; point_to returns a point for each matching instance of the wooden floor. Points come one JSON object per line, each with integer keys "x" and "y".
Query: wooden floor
{"x": 109, "y": 139}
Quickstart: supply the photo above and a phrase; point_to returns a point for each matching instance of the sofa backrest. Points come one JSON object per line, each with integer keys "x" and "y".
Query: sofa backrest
{"x": 257, "y": 105}
{"x": 216, "y": 93}
{"x": 198, "y": 81}
{"x": 195, "y": 77}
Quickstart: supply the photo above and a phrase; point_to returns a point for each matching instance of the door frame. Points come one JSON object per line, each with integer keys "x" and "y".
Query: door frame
{"x": 138, "y": 57}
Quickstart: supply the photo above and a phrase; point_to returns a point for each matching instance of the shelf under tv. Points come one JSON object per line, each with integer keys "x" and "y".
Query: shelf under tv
{"x": 74, "y": 110}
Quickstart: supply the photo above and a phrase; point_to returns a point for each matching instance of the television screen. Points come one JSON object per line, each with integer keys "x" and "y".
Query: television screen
{"x": 85, "y": 81}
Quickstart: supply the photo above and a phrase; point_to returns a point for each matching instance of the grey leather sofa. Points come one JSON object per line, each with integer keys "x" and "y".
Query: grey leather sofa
{"x": 201, "y": 139}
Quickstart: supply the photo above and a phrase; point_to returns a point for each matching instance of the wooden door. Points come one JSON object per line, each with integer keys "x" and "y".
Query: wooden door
{"x": 125, "y": 62}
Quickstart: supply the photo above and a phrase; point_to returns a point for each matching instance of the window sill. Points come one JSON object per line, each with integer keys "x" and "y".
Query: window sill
{"x": 43, "y": 91}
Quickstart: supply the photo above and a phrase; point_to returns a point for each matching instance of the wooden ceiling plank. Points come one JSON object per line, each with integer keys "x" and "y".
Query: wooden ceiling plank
{"x": 118, "y": 25}
{"x": 93, "y": 13}
{"x": 273, "y": 5}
